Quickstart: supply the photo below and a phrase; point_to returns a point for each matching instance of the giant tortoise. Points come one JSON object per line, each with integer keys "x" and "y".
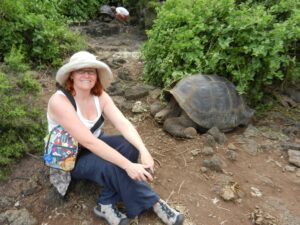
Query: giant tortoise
{"x": 200, "y": 102}
{"x": 105, "y": 13}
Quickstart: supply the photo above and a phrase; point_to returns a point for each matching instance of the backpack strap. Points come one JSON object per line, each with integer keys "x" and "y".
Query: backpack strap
{"x": 72, "y": 100}
{"x": 69, "y": 96}
{"x": 97, "y": 124}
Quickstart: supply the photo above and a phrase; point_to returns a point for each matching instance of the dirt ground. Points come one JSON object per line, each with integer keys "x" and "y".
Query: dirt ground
{"x": 255, "y": 174}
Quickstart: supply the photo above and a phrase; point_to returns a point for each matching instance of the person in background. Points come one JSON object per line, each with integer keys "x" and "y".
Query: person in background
{"x": 120, "y": 13}
{"x": 108, "y": 160}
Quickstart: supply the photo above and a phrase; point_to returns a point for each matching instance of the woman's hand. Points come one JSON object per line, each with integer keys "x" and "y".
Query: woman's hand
{"x": 138, "y": 172}
{"x": 147, "y": 160}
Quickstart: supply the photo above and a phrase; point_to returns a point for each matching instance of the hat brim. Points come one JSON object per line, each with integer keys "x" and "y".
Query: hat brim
{"x": 104, "y": 72}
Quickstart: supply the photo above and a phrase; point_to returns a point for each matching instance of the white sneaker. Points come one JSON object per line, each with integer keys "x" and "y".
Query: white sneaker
{"x": 111, "y": 214}
{"x": 167, "y": 214}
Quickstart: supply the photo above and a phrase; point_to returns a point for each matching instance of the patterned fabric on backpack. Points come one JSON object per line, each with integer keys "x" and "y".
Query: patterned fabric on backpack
{"x": 61, "y": 149}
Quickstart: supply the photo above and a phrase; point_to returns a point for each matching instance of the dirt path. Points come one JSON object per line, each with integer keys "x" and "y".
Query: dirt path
{"x": 254, "y": 180}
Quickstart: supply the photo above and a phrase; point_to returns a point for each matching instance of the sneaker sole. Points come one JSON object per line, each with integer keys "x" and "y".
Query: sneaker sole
{"x": 122, "y": 222}
{"x": 179, "y": 220}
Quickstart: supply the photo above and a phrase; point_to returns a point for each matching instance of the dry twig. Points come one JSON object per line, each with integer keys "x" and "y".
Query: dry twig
{"x": 180, "y": 186}
{"x": 172, "y": 192}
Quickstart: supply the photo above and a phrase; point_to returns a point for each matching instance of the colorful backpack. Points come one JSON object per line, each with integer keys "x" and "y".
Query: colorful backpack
{"x": 61, "y": 149}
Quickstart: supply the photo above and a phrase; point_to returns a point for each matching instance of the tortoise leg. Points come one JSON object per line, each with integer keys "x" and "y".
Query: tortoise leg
{"x": 171, "y": 110}
{"x": 181, "y": 126}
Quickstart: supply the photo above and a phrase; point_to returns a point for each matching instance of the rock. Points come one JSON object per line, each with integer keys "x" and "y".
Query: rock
{"x": 289, "y": 145}
{"x": 293, "y": 130}
{"x": 294, "y": 157}
{"x": 124, "y": 74}
{"x": 259, "y": 217}
{"x": 219, "y": 137}
{"x": 289, "y": 168}
{"x": 227, "y": 193}
{"x": 207, "y": 151}
{"x": 251, "y": 131}
{"x": 255, "y": 192}
{"x": 17, "y": 217}
{"x": 116, "y": 88}
{"x": 203, "y": 169}
{"x": 136, "y": 92}
{"x": 227, "y": 188}
{"x": 231, "y": 155}
{"x": 210, "y": 141}
{"x": 251, "y": 147}
{"x": 139, "y": 107}
{"x": 215, "y": 163}
{"x": 154, "y": 94}
{"x": 286, "y": 217}
{"x": 195, "y": 152}
{"x": 232, "y": 147}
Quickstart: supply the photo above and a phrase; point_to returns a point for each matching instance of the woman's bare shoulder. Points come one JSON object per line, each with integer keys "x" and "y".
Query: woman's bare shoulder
{"x": 104, "y": 98}
{"x": 57, "y": 98}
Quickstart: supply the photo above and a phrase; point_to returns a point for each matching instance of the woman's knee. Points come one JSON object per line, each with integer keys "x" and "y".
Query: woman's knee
{"x": 131, "y": 151}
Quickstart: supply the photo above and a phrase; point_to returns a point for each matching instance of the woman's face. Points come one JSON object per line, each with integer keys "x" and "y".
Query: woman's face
{"x": 84, "y": 78}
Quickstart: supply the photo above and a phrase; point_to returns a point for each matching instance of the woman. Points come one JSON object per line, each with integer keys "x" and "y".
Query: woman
{"x": 110, "y": 161}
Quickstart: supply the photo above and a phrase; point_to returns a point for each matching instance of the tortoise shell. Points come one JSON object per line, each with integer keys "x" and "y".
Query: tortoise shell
{"x": 212, "y": 101}
{"x": 106, "y": 10}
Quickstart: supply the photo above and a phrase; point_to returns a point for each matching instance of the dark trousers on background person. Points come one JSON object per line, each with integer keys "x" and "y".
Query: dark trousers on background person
{"x": 117, "y": 186}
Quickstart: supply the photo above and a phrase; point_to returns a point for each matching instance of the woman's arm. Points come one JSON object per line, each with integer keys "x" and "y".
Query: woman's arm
{"x": 61, "y": 111}
{"x": 126, "y": 128}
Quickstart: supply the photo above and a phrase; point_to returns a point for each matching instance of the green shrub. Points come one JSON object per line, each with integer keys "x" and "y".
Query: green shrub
{"x": 38, "y": 29}
{"x": 21, "y": 120}
{"x": 252, "y": 43}
{"x": 15, "y": 60}
{"x": 79, "y": 10}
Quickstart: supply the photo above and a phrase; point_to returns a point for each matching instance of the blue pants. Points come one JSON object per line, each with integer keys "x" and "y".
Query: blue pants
{"x": 117, "y": 186}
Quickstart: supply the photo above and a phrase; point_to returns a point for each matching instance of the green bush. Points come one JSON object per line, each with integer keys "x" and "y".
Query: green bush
{"x": 15, "y": 60}
{"x": 79, "y": 10}
{"x": 252, "y": 43}
{"x": 38, "y": 29}
{"x": 21, "y": 120}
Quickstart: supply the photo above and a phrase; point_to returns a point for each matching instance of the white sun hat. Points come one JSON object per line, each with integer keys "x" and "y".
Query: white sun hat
{"x": 84, "y": 59}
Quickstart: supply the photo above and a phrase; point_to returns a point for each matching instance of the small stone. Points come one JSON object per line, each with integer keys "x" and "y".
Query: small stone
{"x": 232, "y": 147}
{"x": 17, "y": 204}
{"x": 138, "y": 107}
{"x": 227, "y": 193}
{"x": 195, "y": 152}
{"x": 203, "y": 169}
{"x": 255, "y": 192}
{"x": 215, "y": 163}
{"x": 207, "y": 151}
{"x": 294, "y": 157}
{"x": 231, "y": 155}
{"x": 289, "y": 168}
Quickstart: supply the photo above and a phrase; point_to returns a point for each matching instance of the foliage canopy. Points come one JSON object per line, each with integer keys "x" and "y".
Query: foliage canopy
{"x": 38, "y": 30}
{"x": 252, "y": 43}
